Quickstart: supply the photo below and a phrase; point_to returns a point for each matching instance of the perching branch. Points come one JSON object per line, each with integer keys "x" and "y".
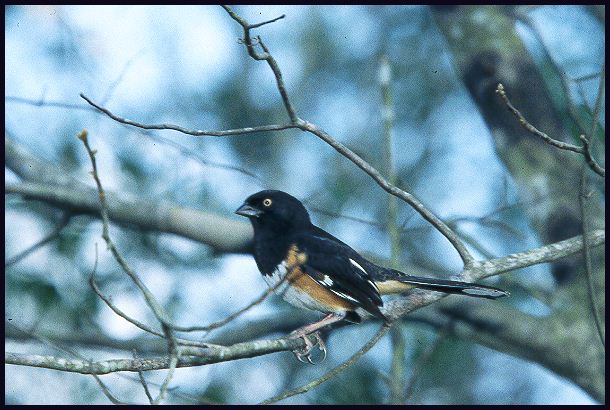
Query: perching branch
{"x": 332, "y": 373}
{"x": 190, "y": 357}
{"x": 397, "y": 308}
{"x": 394, "y": 309}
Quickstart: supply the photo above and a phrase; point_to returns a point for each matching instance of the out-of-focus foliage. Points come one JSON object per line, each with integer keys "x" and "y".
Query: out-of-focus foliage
{"x": 455, "y": 146}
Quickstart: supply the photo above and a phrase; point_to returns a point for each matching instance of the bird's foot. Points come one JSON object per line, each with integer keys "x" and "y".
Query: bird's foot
{"x": 304, "y": 354}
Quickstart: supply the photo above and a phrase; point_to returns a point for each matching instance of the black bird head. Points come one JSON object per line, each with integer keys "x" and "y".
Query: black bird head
{"x": 275, "y": 210}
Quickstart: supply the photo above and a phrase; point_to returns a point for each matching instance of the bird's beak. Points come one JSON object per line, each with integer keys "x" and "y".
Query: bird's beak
{"x": 247, "y": 210}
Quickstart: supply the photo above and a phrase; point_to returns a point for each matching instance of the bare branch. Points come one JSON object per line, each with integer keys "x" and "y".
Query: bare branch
{"x": 196, "y": 133}
{"x": 335, "y": 371}
{"x": 483, "y": 269}
{"x": 267, "y": 57}
{"x": 190, "y": 357}
{"x": 143, "y": 381}
{"x": 50, "y": 237}
{"x": 343, "y": 150}
{"x": 558, "y": 144}
{"x": 582, "y": 199}
{"x": 383, "y": 183}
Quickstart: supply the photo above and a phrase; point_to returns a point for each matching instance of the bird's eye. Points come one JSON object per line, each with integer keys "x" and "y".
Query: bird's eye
{"x": 267, "y": 202}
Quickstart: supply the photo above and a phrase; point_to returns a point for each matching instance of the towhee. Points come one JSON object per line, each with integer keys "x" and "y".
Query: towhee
{"x": 312, "y": 269}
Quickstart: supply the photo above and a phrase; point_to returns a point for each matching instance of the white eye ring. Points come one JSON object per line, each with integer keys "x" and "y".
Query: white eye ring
{"x": 267, "y": 202}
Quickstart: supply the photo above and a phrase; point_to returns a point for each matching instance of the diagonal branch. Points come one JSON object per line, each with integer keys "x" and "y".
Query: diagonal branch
{"x": 548, "y": 253}
{"x": 335, "y": 371}
{"x": 65, "y": 220}
{"x": 584, "y": 150}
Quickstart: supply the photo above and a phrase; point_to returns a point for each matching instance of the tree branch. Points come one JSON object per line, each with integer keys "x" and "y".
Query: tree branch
{"x": 265, "y": 56}
{"x": 190, "y": 357}
{"x": 333, "y": 372}
{"x": 584, "y": 150}
{"x": 223, "y": 234}
{"x": 296, "y": 122}
{"x": 548, "y": 253}
{"x": 48, "y": 238}
{"x": 196, "y": 133}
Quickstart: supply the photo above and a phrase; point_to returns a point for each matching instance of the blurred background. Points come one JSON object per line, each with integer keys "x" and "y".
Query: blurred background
{"x": 453, "y": 144}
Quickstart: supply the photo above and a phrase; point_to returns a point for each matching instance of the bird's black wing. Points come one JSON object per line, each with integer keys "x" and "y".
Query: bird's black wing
{"x": 335, "y": 266}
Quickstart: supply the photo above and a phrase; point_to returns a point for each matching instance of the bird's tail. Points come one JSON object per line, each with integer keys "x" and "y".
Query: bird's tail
{"x": 401, "y": 282}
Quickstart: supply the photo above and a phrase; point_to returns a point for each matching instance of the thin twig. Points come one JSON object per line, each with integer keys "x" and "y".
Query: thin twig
{"x": 150, "y": 299}
{"x": 143, "y": 381}
{"x": 332, "y": 373}
{"x": 233, "y": 316}
{"x": 267, "y": 57}
{"x": 558, "y": 144}
{"x": 65, "y": 219}
{"x": 251, "y": 26}
{"x": 582, "y": 199}
{"x": 135, "y": 322}
{"x": 196, "y": 133}
{"x": 43, "y": 103}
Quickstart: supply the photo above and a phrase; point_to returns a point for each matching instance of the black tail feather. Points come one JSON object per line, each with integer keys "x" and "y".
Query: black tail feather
{"x": 451, "y": 286}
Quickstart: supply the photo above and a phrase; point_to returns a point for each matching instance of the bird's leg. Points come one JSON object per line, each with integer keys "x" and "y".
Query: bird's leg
{"x": 305, "y": 353}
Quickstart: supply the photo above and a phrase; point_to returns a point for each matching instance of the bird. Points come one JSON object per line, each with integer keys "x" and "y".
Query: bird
{"x": 312, "y": 269}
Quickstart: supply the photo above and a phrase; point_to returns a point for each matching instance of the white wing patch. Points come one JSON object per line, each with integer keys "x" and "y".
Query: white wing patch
{"x": 373, "y": 285}
{"x": 356, "y": 264}
{"x": 343, "y": 295}
{"x": 327, "y": 281}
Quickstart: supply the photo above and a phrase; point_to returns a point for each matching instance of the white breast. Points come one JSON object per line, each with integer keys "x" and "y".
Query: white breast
{"x": 292, "y": 294}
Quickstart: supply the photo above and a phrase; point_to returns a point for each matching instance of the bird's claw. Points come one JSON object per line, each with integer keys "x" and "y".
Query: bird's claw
{"x": 304, "y": 355}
